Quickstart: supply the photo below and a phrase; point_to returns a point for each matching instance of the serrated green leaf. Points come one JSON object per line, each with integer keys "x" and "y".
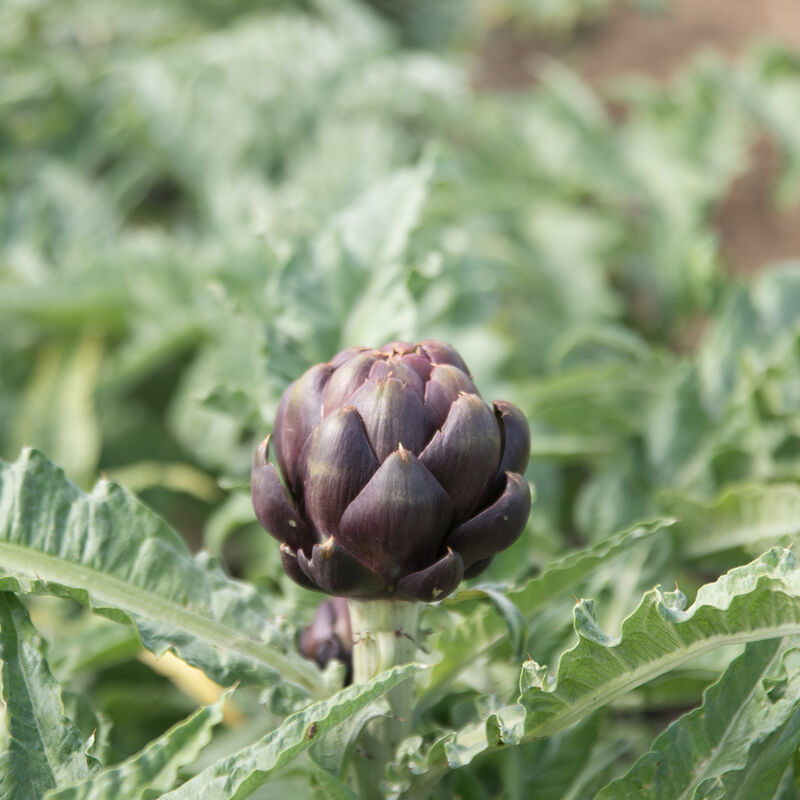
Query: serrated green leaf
{"x": 152, "y": 771}
{"x": 564, "y": 574}
{"x": 757, "y": 601}
{"x": 463, "y": 643}
{"x": 732, "y": 740}
{"x": 45, "y": 748}
{"x": 241, "y": 774}
{"x": 751, "y": 603}
{"x": 110, "y": 553}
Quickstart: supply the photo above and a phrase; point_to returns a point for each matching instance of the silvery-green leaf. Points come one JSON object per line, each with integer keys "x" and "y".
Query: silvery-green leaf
{"x": 461, "y": 644}
{"x": 44, "y": 747}
{"x": 739, "y": 741}
{"x": 241, "y": 774}
{"x": 751, "y": 603}
{"x": 109, "y": 552}
{"x": 153, "y": 770}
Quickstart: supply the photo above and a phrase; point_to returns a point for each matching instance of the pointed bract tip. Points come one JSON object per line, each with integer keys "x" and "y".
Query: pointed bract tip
{"x": 262, "y": 451}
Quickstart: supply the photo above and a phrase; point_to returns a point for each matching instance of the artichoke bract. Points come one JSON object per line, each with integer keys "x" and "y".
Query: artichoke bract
{"x": 398, "y": 480}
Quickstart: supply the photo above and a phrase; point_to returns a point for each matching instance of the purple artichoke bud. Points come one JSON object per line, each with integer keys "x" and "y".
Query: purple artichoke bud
{"x": 395, "y": 479}
{"x": 329, "y": 635}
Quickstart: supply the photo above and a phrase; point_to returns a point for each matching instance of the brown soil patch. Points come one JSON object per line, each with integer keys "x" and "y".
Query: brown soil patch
{"x": 628, "y": 42}
{"x": 753, "y": 232}
{"x": 655, "y": 44}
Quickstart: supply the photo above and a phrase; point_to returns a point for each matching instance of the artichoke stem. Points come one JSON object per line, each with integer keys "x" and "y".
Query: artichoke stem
{"x": 384, "y": 635}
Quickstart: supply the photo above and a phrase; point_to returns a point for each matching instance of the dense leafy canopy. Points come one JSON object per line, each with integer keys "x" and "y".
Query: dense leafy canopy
{"x": 201, "y": 200}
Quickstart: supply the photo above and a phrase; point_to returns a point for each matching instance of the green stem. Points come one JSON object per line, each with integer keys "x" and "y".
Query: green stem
{"x": 384, "y": 635}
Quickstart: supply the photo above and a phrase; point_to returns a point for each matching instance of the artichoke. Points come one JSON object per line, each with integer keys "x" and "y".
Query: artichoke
{"x": 329, "y": 635}
{"x": 398, "y": 480}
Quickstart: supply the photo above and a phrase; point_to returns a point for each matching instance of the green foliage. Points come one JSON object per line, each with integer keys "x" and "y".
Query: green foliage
{"x": 200, "y": 201}
{"x": 760, "y": 601}
{"x": 737, "y": 744}
{"x": 239, "y": 775}
{"x": 45, "y": 747}
{"x": 108, "y": 552}
{"x": 155, "y": 768}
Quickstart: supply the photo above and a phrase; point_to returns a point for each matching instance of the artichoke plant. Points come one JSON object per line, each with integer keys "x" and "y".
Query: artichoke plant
{"x": 396, "y": 479}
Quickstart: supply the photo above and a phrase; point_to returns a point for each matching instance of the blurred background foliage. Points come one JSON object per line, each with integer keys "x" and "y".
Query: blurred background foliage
{"x": 202, "y": 199}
